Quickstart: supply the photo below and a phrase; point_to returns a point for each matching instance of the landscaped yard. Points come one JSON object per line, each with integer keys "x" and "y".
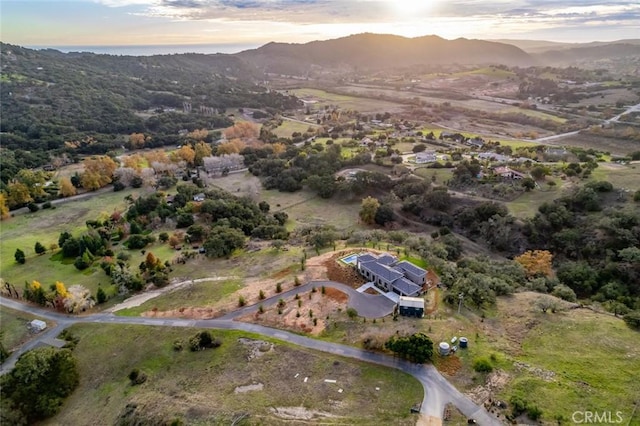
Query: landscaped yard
{"x": 215, "y": 386}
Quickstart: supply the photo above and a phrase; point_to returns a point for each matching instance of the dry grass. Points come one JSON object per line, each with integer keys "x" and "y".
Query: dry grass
{"x": 199, "y": 387}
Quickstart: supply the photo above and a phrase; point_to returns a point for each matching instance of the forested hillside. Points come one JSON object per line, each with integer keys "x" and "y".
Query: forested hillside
{"x": 82, "y": 103}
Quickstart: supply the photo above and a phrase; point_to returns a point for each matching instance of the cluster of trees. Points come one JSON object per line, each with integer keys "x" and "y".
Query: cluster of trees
{"x": 73, "y": 300}
{"x": 37, "y": 386}
{"x": 417, "y": 348}
{"x": 291, "y": 168}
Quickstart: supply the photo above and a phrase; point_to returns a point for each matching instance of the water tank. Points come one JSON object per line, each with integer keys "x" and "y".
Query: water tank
{"x": 463, "y": 343}
{"x": 444, "y": 348}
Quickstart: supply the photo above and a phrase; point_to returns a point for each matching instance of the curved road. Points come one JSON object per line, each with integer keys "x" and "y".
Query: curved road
{"x": 437, "y": 390}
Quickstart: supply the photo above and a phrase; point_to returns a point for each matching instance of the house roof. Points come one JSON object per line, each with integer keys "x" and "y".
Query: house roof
{"x": 382, "y": 271}
{"x": 387, "y": 259}
{"x": 410, "y": 267}
{"x": 406, "y": 286}
{"x": 365, "y": 258}
{"x": 411, "y": 302}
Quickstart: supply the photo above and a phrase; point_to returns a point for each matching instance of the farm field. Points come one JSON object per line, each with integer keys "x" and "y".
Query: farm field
{"x": 360, "y": 104}
{"x": 288, "y": 127}
{"x": 618, "y": 147}
{"x": 620, "y": 175}
{"x": 246, "y": 375}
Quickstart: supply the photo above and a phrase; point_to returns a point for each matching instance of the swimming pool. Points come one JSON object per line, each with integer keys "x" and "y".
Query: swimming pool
{"x": 350, "y": 260}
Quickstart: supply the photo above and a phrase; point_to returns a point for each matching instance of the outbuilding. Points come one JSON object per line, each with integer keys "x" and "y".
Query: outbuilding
{"x": 411, "y": 306}
{"x": 37, "y": 325}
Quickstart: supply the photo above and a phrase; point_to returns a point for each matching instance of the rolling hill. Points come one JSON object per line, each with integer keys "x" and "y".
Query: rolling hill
{"x": 368, "y": 51}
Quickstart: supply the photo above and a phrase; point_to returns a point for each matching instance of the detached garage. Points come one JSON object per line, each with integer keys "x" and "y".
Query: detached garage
{"x": 411, "y": 306}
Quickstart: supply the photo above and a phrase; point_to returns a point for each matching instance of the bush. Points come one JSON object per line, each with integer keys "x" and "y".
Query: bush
{"x": 279, "y": 288}
{"x": 20, "y": 257}
{"x": 632, "y": 319}
{"x": 203, "y": 340}
{"x": 178, "y": 345}
{"x": 261, "y": 295}
{"x": 564, "y": 292}
{"x": 482, "y": 365}
{"x": 137, "y": 377}
{"x": 241, "y": 301}
{"x": 352, "y": 313}
{"x": 533, "y": 412}
{"x": 33, "y": 207}
{"x": 101, "y": 296}
{"x": 39, "y": 248}
{"x": 46, "y": 205}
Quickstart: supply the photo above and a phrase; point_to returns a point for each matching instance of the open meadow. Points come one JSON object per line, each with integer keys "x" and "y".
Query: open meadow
{"x": 248, "y": 377}
{"x": 45, "y": 226}
{"x": 14, "y": 328}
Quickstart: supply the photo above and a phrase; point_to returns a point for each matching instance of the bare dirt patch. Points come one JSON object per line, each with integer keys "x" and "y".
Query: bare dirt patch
{"x": 249, "y": 388}
{"x": 300, "y": 413}
{"x": 257, "y": 348}
{"x": 448, "y": 365}
{"x": 306, "y": 312}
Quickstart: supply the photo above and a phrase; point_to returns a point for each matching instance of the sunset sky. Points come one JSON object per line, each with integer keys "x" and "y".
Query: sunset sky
{"x": 255, "y": 22}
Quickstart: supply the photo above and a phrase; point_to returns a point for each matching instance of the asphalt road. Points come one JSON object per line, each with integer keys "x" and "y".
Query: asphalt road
{"x": 437, "y": 390}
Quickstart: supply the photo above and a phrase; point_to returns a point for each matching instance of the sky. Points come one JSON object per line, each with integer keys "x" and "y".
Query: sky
{"x": 239, "y": 24}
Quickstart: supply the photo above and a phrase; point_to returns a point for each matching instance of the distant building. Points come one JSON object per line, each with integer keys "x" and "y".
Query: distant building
{"x": 477, "y": 142}
{"x": 507, "y": 173}
{"x": 493, "y": 156}
{"x": 411, "y": 306}
{"x": 426, "y": 157}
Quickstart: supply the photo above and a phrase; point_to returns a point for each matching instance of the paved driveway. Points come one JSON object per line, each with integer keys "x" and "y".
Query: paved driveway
{"x": 368, "y": 305}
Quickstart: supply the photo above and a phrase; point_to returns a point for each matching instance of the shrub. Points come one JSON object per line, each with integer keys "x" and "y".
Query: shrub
{"x": 20, "y": 257}
{"x": 296, "y": 281}
{"x": 564, "y": 292}
{"x": 33, "y": 207}
{"x": 279, "y": 288}
{"x": 46, "y": 205}
{"x": 137, "y": 377}
{"x": 39, "y": 248}
{"x": 533, "y": 412}
{"x": 261, "y": 309}
{"x": 632, "y": 319}
{"x": 203, "y": 340}
{"x": 241, "y": 301}
{"x": 101, "y": 296}
{"x": 352, "y": 313}
{"x": 482, "y": 365}
{"x": 178, "y": 345}
{"x": 261, "y": 295}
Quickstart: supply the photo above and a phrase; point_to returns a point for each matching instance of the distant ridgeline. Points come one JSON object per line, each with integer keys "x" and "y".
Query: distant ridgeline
{"x": 83, "y": 103}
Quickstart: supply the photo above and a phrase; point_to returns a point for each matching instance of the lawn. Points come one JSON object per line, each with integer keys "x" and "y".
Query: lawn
{"x": 13, "y": 326}
{"x": 202, "y": 387}
{"x": 442, "y": 175}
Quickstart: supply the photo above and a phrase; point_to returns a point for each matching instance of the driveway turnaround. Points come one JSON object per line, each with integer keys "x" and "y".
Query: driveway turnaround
{"x": 437, "y": 390}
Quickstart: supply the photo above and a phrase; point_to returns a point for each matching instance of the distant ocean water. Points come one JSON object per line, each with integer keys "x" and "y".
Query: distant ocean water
{"x": 149, "y": 50}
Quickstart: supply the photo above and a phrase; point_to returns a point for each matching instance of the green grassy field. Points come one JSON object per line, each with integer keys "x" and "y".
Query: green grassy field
{"x": 621, "y": 176}
{"x": 441, "y": 175}
{"x": 197, "y": 295}
{"x": 13, "y": 326}
{"x": 288, "y": 127}
{"x": 526, "y": 205}
{"x": 201, "y": 387}
{"x": 592, "y": 358}
{"x": 354, "y": 102}
{"x": 44, "y": 226}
